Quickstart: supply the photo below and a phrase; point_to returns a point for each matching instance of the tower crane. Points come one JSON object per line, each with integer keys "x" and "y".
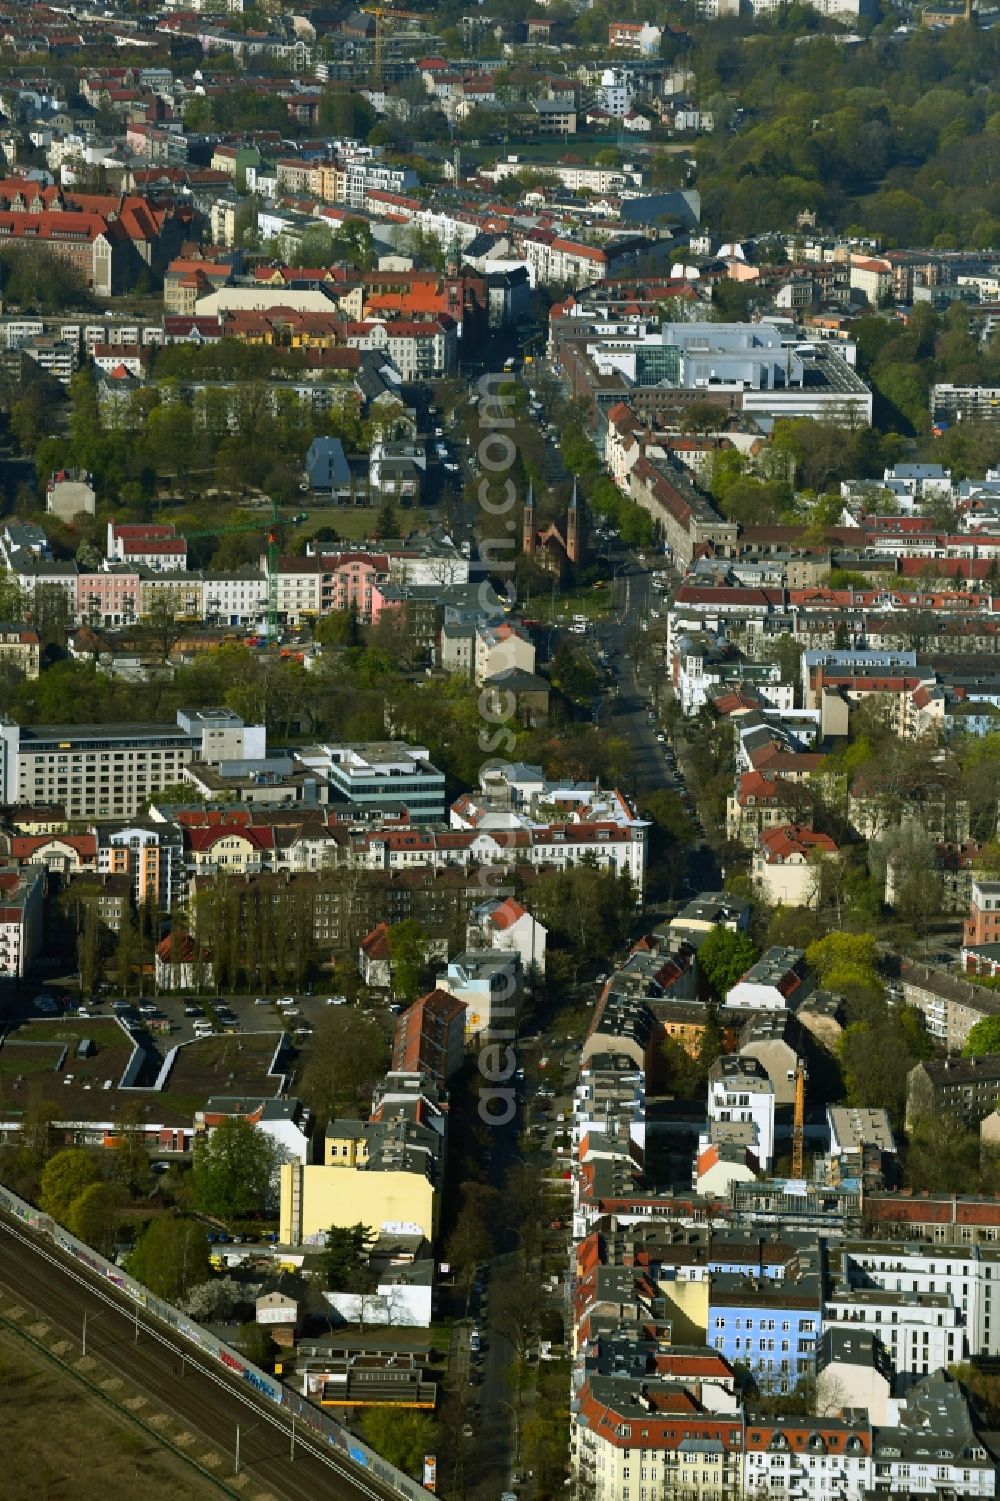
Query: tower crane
{"x": 380, "y": 12}
{"x": 272, "y": 532}
{"x": 799, "y": 1123}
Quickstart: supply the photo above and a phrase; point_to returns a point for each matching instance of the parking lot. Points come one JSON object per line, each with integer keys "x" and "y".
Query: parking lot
{"x": 181, "y": 1018}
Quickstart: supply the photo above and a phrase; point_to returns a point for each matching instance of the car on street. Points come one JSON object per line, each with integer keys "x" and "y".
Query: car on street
{"x": 193, "y": 1011}
{"x": 336, "y": 1000}
{"x": 286, "y": 1000}
{"x": 261, "y": 1000}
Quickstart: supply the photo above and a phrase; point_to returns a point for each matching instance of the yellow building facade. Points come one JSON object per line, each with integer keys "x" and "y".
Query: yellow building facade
{"x": 315, "y": 1197}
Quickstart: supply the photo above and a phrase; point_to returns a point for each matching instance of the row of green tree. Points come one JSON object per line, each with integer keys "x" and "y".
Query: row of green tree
{"x": 909, "y": 161}
{"x": 231, "y": 437}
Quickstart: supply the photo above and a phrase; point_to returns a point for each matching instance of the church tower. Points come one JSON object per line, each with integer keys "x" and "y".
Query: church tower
{"x": 574, "y": 551}
{"x": 528, "y": 524}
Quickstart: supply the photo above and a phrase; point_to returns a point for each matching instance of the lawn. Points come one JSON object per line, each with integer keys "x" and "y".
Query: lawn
{"x": 441, "y": 1338}
{"x": 595, "y": 603}
{"x": 38, "y": 1059}
{"x": 63, "y": 1444}
{"x": 357, "y": 523}
{"x": 100, "y": 1030}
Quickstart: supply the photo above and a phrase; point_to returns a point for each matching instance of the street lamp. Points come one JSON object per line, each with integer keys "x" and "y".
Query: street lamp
{"x": 517, "y": 1428}
{"x": 236, "y": 1467}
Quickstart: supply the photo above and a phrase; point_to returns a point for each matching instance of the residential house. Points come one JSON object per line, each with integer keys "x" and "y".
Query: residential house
{"x": 778, "y": 981}
{"x": 739, "y": 1090}
{"x": 506, "y": 925}
{"x": 429, "y": 1037}
{"x": 786, "y": 865}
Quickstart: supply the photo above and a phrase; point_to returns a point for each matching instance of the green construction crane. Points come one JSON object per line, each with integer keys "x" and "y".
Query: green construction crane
{"x": 272, "y": 531}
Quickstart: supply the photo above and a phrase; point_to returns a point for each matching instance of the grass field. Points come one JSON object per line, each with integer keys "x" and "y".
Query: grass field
{"x": 28, "y": 1060}
{"x": 357, "y": 523}
{"x": 62, "y": 1444}
{"x": 596, "y": 603}
{"x": 101, "y": 1030}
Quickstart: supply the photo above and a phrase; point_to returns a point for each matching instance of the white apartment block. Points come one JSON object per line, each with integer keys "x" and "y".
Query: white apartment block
{"x": 846, "y": 10}
{"x": 423, "y": 351}
{"x": 558, "y": 847}
{"x": 921, "y": 1331}
{"x": 299, "y": 593}
{"x": 968, "y": 1275}
{"x": 740, "y": 1091}
{"x": 599, "y": 180}
{"x": 362, "y": 177}
{"x": 234, "y": 599}
{"x": 21, "y": 899}
{"x": 114, "y": 770}
{"x": 813, "y": 1471}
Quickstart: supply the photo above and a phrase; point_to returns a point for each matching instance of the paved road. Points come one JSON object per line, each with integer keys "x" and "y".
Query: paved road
{"x": 495, "y": 1436}
{"x": 634, "y": 597}
{"x": 210, "y": 1404}
{"x": 633, "y": 592}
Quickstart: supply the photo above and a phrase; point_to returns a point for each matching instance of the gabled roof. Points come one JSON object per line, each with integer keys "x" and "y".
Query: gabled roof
{"x": 507, "y": 914}
{"x": 778, "y": 844}
{"x": 375, "y": 945}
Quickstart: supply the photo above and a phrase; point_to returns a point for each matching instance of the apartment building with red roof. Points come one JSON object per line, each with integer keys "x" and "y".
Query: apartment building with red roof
{"x": 103, "y": 237}
{"x": 763, "y": 799}
{"x": 429, "y": 1037}
{"x": 786, "y": 864}
{"x": 154, "y": 545}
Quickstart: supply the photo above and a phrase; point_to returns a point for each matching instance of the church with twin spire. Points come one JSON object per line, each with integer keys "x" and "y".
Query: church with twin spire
{"x": 556, "y": 549}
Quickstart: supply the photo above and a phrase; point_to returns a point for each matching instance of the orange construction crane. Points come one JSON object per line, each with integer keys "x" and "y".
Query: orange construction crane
{"x": 799, "y": 1123}
{"x": 380, "y": 12}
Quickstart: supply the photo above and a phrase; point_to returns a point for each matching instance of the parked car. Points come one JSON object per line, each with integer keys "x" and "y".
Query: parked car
{"x": 262, "y": 1000}
{"x": 286, "y": 1000}
{"x": 336, "y": 1000}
